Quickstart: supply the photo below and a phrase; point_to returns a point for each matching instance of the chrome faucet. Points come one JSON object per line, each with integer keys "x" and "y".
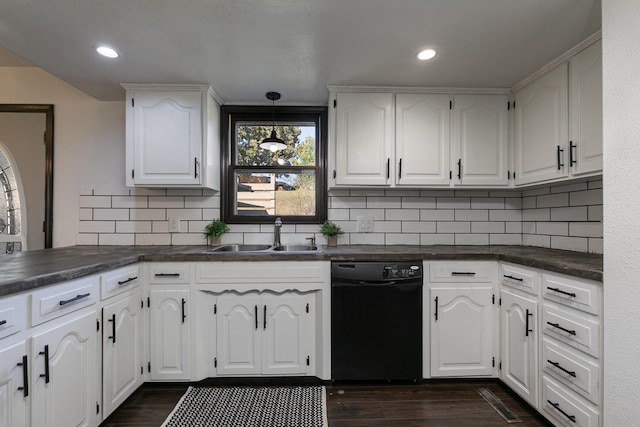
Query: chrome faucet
{"x": 312, "y": 240}
{"x": 276, "y": 232}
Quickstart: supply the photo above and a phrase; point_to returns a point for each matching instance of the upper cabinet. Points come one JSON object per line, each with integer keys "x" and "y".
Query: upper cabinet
{"x": 172, "y": 136}
{"x": 558, "y": 121}
{"x": 419, "y": 140}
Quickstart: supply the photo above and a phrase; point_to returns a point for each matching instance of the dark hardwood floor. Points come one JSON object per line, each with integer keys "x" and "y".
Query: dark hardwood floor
{"x": 437, "y": 404}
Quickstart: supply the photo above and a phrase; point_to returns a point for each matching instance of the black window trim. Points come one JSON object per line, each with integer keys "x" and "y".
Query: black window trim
{"x": 229, "y": 115}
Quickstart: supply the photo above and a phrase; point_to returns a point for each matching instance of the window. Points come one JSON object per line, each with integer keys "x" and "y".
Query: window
{"x": 10, "y": 215}
{"x": 262, "y": 184}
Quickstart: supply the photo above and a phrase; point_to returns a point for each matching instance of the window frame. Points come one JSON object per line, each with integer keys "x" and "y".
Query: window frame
{"x": 229, "y": 116}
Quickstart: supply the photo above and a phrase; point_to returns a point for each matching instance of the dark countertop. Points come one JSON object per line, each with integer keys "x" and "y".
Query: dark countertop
{"x": 28, "y": 270}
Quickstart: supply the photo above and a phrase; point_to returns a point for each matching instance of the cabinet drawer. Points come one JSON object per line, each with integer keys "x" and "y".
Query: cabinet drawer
{"x": 558, "y": 403}
{"x": 13, "y": 315}
{"x": 520, "y": 278}
{"x": 572, "y": 329}
{"x": 120, "y": 280}
{"x": 579, "y": 294}
{"x": 573, "y": 370}
{"x": 56, "y": 301}
{"x": 462, "y": 272}
{"x": 170, "y": 272}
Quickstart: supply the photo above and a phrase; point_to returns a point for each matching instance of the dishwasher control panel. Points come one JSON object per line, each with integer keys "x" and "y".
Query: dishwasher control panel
{"x": 401, "y": 271}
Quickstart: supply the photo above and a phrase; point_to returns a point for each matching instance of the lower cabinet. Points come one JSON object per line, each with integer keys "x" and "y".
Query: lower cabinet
{"x": 519, "y": 333}
{"x": 64, "y": 374}
{"x": 122, "y": 340}
{"x": 170, "y": 334}
{"x": 265, "y": 333}
{"x": 14, "y": 385}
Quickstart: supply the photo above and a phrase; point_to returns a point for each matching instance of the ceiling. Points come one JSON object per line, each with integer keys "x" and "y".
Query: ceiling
{"x": 244, "y": 48}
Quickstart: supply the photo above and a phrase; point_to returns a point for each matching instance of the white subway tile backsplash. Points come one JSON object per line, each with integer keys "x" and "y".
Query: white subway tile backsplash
{"x": 563, "y": 216}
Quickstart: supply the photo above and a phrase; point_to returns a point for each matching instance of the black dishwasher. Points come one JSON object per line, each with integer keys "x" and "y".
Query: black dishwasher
{"x": 376, "y": 321}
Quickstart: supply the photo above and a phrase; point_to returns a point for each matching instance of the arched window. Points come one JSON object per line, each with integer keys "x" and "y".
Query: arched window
{"x": 11, "y": 235}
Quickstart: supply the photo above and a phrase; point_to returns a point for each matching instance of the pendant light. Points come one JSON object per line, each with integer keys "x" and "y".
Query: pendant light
{"x": 273, "y": 143}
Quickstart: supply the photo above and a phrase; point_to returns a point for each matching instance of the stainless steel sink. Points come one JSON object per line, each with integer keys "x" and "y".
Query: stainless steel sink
{"x": 295, "y": 248}
{"x": 239, "y": 248}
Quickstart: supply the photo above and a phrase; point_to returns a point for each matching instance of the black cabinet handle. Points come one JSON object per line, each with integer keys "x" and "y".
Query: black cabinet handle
{"x": 572, "y": 147}
{"x": 2, "y": 322}
{"x": 400, "y": 169}
{"x": 557, "y": 407}
{"x": 388, "y": 165}
{"x": 25, "y": 376}
{"x": 459, "y": 168}
{"x": 557, "y": 325}
{"x": 557, "y": 365}
{"x": 184, "y": 315}
{"x": 196, "y": 166}
{"x": 571, "y": 294}
{"x": 167, "y": 275}
{"x": 560, "y": 164}
{"x": 435, "y": 313}
{"x": 113, "y": 328}
{"x": 76, "y": 298}
{"x": 514, "y": 278}
{"x": 264, "y": 314}
{"x": 256, "y": 314}
{"x": 463, "y": 273}
{"x": 130, "y": 279}
{"x": 45, "y": 353}
{"x": 527, "y": 330}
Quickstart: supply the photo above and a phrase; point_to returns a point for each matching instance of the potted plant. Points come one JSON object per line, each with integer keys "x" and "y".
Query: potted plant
{"x": 331, "y": 230}
{"x": 214, "y": 230}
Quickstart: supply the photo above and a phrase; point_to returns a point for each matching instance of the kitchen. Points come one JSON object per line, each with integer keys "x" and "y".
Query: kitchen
{"x": 87, "y": 129}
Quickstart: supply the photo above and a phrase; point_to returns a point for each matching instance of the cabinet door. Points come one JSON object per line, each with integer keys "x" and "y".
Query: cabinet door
{"x": 364, "y": 138}
{"x": 239, "y": 334}
{"x": 14, "y": 391}
{"x": 170, "y": 334}
{"x": 519, "y": 344}
{"x": 480, "y": 140}
{"x": 64, "y": 374}
{"x": 422, "y": 139}
{"x": 585, "y": 110}
{"x": 167, "y": 137}
{"x": 122, "y": 351}
{"x": 462, "y": 331}
{"x": 287, "y": 332}
{"x": 541, "y": 133}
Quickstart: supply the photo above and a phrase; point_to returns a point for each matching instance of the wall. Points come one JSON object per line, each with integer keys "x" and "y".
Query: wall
{"x": 621, "y": 95}
{"x": 557, "y": 216}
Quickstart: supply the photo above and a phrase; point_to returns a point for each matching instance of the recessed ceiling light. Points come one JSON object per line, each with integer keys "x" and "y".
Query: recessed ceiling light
{"x": 107, "y": 51}
{"x": 426, "y": 54}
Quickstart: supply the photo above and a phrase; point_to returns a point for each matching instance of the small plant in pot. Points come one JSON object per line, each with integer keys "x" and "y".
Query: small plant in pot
{"x": 214, "y": 230}
{"x": 331, "y": 230}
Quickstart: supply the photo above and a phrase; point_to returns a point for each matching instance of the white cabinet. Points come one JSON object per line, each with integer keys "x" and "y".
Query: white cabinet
{"x": 585, "y": 111}
{"x": 462, "y": 319}
{"x": 268, "y": 334}
{"x": 364, "y": 139}
{"x": 541, "y": 128}
{"x": 65, "y": 374}
{"x": 422, "y": 139}
{"x": 170, "y": 334}
{"x": 14, "y": 385}
{"x": 122, "y": 339}
{"x": 480, "y": 150}
{"x": 172, "y": 134}
{"x": 519, "y": 325}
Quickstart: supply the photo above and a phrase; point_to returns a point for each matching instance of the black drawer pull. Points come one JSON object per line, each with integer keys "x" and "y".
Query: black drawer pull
{"x": 514, "y": 278}
{"x": 264, "y": 316}
{"x": 76, "y": 298}
{"x": 255, "y": 312}
{"x": 113, "y": 328}
{"x": 571, "y": 294}
{"x": 463, "y": 273}
{"x": 557, "y": 407}
{"x": 25, "y": 376}
{"x": 45, "y": 353}
{"x": 184, "y": 315}
{"x": 2, "y": 322}
{"x": 130, "y": 279}
{"x": 557, "y": 365}
{"x": 167, "y": 274}
{"x": 526, "y": 327}
{"x": 435, "y": 313}
{"x": 557, "y": 325}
